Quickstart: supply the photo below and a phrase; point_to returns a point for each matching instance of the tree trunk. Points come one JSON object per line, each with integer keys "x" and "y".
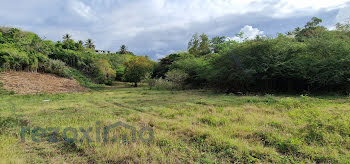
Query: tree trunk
{"x": 135, "y": 84}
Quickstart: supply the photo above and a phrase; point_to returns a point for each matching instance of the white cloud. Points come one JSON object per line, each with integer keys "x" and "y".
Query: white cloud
{"x": 157, "y": 26}
{"x": 343, "y": 14}
{"x": 288, "y": 8}
{"x": 313, "y": 4}
{"x": 249, "y": 33}
{"x": 82, "y": 10}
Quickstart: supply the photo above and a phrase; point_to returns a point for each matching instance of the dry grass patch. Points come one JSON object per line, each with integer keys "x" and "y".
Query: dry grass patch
{"x": 33, "y": 83}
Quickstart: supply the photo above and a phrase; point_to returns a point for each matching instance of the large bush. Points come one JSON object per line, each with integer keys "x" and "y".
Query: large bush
{"x": 13, "y": 59}
{"x": 177, "y": 77}
{"x": 175, "y": 80}
{"x": 195, "y": 67}
{"x": 163, "y": 84}
{"x": 55, "y": 67}
{"x": 104, "y": 72}
{"x": 163, "y": 66}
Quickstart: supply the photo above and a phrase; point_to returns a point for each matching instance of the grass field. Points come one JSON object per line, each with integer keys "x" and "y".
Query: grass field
{"x": 189, "y": 127}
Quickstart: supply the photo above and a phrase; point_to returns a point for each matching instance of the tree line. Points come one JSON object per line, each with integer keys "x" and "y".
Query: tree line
{"x": 306, "y": 60}
{"x": 26, "y": 51}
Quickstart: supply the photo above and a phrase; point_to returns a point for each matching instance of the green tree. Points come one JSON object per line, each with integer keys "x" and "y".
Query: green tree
{"x": 11, "y": 35}
{"x": 79, "y": 45}
{"x": 313, "y": 23}
{"x": 123, "y": 49}
{"x": 199, "y": 46}
{"x": 81, "y": 42}
{"x": 178, "y": 77}
{"x": 193, "y": 45}
{"x": 104, "y": 72}
{"x": 312, "y": 28}
{"x": 195, "y": 67}
{"x": 216, "y": 42}
{"x": 66, "y": 37}
{"x": 136, "y": 69}
{"x": 163, "y": 66}
{"x": 89, "y": 44}
{"x": 204, "y": 46}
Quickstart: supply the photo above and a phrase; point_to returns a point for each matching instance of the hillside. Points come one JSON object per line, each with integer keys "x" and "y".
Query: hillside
{"x": 31, "y": 83}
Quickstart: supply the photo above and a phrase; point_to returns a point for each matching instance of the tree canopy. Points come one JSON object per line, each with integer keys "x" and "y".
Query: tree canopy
{"x": 308, "y": 59}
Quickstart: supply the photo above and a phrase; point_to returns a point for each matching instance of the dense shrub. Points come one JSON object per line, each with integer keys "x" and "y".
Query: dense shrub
{"x": 99, "y": 67}
{"x": 175, "y": 80}
{"x": 82, "y": 79}
{"x": 55, "y": 67}
{"x": 104, "y": 72}
{"x": 163, "y": 84}
{"x": 12, "y": 59}
{"x": 195, "y": 67}
{"x": 315, "y": 60}
{"x": 163, "y": 66}
{"x": 120, "y": 73}
{"x": 177, "y": 76}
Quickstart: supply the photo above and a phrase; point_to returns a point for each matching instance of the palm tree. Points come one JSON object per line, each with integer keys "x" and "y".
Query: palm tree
{"x": 89, "y": 44}
{"x": 66, "y": 37}
{"x": 81, "y": 42}
{"x": 123, "y": 49}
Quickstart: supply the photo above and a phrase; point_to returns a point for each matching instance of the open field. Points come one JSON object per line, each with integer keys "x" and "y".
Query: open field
{"x": 189, "y": 127}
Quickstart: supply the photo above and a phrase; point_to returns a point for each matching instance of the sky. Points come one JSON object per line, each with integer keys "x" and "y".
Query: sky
{"x": 157, "y": 28}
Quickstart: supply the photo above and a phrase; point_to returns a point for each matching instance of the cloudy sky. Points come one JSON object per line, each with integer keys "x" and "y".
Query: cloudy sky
{"x": 159, "y": 27}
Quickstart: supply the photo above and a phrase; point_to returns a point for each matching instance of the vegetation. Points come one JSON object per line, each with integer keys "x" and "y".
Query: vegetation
{"x": 136, "y": 69}
{"x": 124, "y": 50}
{"x": 89, "y": 44}
{"x": 189, "y": 127}
{"x": 25, "y": 51}
{"x": 199, "y": 46}
{"x": 199, "y": 124}
{"x": 177, "y": 77}
{"x": 55, "y": 67}
{"x": 307, "y": 60}
{"x": 82, "y": 79}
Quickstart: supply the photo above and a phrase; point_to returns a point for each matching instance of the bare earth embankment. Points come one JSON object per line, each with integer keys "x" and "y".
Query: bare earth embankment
{"x": 32, "y": 83}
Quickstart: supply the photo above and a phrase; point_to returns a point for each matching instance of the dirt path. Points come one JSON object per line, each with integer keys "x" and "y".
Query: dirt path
{"x": 32, "y": 83}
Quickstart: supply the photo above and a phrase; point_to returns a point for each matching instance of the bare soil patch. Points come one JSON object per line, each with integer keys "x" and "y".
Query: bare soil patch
{"x": 33, "y": 83}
